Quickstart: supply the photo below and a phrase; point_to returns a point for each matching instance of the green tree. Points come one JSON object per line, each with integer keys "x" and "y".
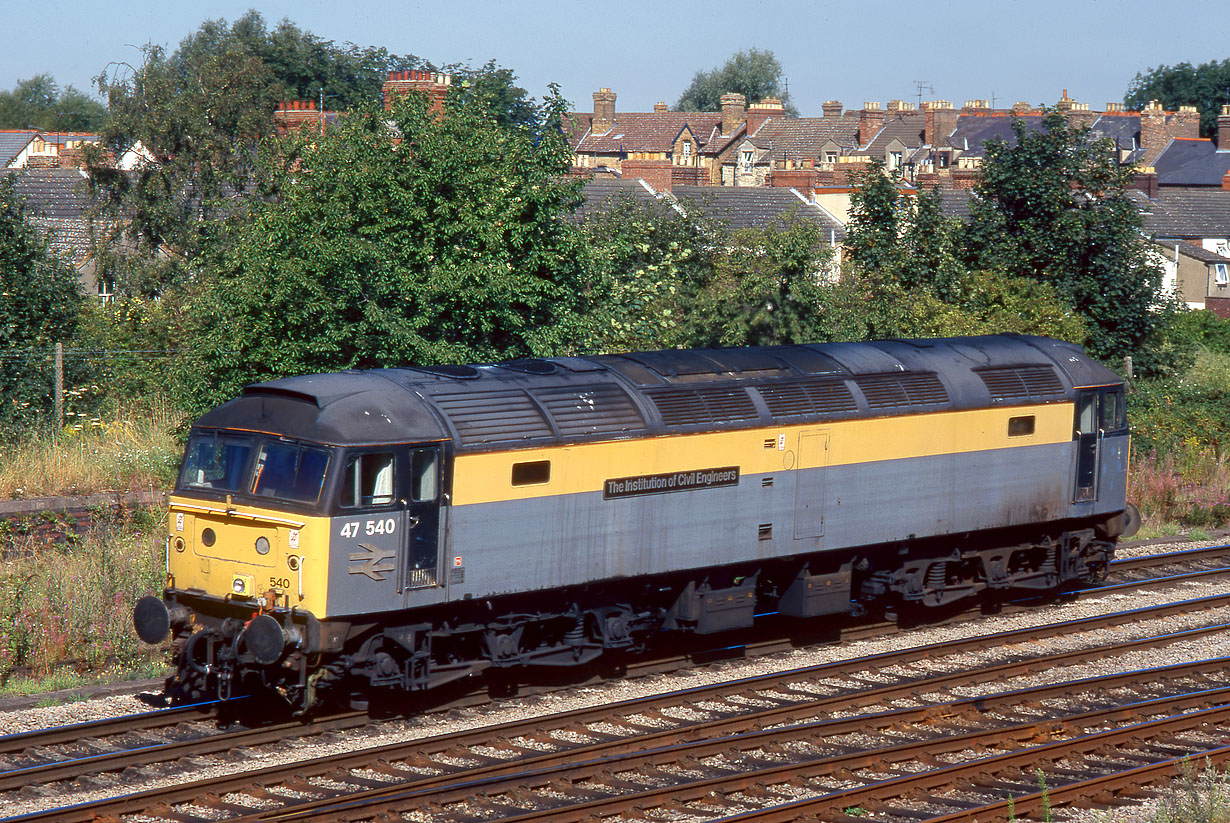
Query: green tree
{"x": 643, "y": 259}
{"x": 877, "y": 220}
{"x": 40, "y": 103}
{"x": 767, "y": 289}
{"x": 199, "y": 113}
{"x": 1206, "y": 86}
{"x": 39, "y": 299}
{"x": 400, "y": 237}
{"x": 754, "y": 73}
{"x": 1054, "y": 208}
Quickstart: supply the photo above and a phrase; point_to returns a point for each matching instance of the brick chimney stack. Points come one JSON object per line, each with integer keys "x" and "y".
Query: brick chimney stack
{"x": 660, "y": 107}
{"x": 832, "y": 108}
{"x": 1225, "y": 181}
{"x": 734, "y": 113}
{"x": 939, "y": 120}
{"x": 604, "y": 111}
{"x": 435, "y": 86}
{"x": 1153, "y": 136}
{"x": 870, "y": 121}
{"x": 1223, "y": 128}
{"x": 758, "y": 113}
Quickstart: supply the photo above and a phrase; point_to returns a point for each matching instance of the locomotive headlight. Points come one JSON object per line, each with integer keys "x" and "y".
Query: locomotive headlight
{"x": 239, "y": 585}
{"x": 178, "y": 543}
{"x": 262, "y": 545}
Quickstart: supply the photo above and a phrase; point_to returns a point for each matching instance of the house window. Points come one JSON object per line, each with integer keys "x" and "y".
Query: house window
{"x": 894, "y": 159}
{"x": 106, "y": 291}
{"x": 746, "y": 158}
{"x": 1221, "y": 276}
{"x": 830, "y": 157}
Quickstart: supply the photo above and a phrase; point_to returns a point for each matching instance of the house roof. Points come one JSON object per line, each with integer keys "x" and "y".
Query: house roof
{"x": 1195, "y": 251}
{"x": 57, "y": 201}
{"x": 598, "y": 195}
{"x": 1177, "y": 213}
{"x": 650, "y": 131}
{"x": 756, "y": 206}
{"x": 805, "y": 137}
{"x": 12, "y": 141}
{"x": 904, "y": 126}
{"x": 1123, "y": 129}
{"x": 1186, "y": 162}
{"x": 974, "y": 131}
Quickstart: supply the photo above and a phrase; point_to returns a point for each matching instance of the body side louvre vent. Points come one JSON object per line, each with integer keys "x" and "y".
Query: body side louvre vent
{"x": 902, "y": 389}
{"x": 1015, "y": 382}
{"x": 492, "y": 416}
{"x": 595, "y": 409}
{"x": 683, "y": 407}
{"x": 808, "y": 397}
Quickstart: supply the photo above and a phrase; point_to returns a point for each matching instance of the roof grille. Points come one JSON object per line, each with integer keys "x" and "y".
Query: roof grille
{"x": 683, "y": 407}
{"x": 1021, "y": 381}
{"x": 594, "y": 409}
{"x": 902, "y": 389}
{"x": 492, "y": 416}
{"x": 810, "y": 397}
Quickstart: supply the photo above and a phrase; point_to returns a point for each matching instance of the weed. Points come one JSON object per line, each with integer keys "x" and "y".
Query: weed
{"x": 1196, "y": 797}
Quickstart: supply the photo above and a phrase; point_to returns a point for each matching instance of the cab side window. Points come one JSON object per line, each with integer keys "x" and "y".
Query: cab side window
{"x": 1114, "y": 417}
{"x": 424, "y": 476}
{"x": 368, "y": 480}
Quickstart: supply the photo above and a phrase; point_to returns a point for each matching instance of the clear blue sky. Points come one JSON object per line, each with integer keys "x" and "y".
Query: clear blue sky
{"x": 648, "y": 51}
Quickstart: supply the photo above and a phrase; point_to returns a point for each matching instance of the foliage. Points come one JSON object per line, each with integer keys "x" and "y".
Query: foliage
{"x": 1054, "y": 207}
{"x": 907, "y": 277}
{"x": 1196, "y": 797}
{"x": 754, "y": 73}
{"x": 643, "y": 258}
{"x": 399, "y": 237}
{"x": 39, "y": 300}
{"x": 1204, "y": 329}
{"x": 40, "y": 103}
{"x": 199, "y": 113}
{"x": 767, "y": 288}
{"x": 1203, "y": 86}
{"x": 72, "y": 602}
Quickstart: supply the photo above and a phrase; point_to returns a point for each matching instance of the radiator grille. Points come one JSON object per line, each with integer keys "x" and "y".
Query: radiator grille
{"x": 492, "y": 416}
{"x": 902, "y": 389}
{"x": 1015, "y": 382}
{"x": 808, "y": 397}
{"x": 683, "y": 407}
{"x": 595, "y": 409}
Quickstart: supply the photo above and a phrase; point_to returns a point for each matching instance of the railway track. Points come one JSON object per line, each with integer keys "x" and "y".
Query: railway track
{"x": 50, "y": 765}
{"x": 777, "y": 702}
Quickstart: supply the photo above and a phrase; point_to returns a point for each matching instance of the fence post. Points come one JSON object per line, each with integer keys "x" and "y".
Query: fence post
{"x": 58, "y": 422}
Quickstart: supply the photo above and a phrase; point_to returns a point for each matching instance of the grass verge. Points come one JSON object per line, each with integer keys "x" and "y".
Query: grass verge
{"x": 135, "y": 450}
{"x": 66, "y": 608}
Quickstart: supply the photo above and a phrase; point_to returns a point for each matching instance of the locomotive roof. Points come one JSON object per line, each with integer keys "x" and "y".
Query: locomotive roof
{"x": 535, "y": 402}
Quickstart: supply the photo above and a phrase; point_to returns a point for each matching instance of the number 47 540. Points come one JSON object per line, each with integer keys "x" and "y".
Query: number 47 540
{"x": 370, "y": 527}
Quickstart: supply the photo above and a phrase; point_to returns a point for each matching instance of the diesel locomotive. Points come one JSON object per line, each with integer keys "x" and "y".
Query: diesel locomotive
{"x": 337, "y": 536}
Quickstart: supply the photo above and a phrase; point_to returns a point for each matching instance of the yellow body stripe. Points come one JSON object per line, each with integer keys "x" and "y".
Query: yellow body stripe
{"x": 487, "y": 478}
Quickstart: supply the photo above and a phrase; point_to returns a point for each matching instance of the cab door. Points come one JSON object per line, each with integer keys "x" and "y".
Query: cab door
{"x": 1088, "y": 439}
{"x": 421, "y": 546}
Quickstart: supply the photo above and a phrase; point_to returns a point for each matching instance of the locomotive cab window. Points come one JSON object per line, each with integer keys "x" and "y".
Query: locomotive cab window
{"x": 368, "y": 480}
{"x": 1021, "y": 426}
{"x": 424, "y": 476}
{"x": 1113, "y": 413}
{"x": 215, "y": 463}
{"x": 532, "y": 473}
{"x": 289, "y": 472}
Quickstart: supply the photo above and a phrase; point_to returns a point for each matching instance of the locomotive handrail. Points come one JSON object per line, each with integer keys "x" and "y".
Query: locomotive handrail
{"x": 298, "y": 524}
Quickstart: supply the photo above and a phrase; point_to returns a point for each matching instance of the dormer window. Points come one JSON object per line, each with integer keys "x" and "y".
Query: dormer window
{"x": 746, "y": 158}
{"x": 830, "y": 157}
{"x": 687, "y": 149}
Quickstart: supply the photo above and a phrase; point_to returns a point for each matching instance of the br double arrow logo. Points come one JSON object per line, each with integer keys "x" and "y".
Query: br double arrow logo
{"x": 373, "y": 561}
